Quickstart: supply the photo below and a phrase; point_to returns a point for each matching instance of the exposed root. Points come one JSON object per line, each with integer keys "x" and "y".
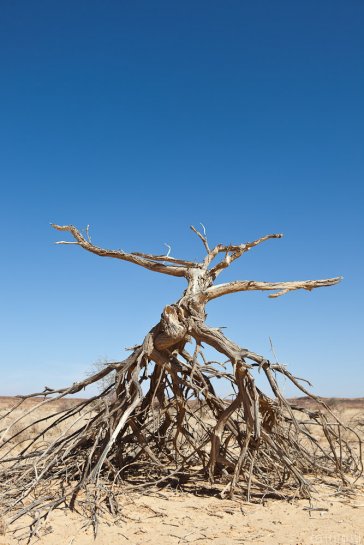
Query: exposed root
{"x": 161, "y": 420}
{"x": 178, "y": 430}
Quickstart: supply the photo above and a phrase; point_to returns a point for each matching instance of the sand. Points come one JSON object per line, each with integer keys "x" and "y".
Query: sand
{"x": 176, "y": 517}
{"x": 179, "y": 518}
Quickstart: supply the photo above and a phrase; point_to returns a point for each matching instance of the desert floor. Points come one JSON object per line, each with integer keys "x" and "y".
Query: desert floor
{"x": 175, "y": 517}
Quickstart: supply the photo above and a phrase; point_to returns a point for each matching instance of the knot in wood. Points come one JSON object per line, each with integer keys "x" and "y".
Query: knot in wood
{"x": 173, "y": 327}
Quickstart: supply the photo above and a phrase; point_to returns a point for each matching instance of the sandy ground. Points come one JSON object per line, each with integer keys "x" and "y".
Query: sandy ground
{"x": 175, "y": 517}
{"x": 180, "y": 518}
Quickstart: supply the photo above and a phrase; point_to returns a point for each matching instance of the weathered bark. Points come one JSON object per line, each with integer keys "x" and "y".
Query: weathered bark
{"x": 179, "y": 422}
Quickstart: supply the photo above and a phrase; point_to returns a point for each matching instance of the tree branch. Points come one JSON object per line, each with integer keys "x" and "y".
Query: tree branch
{"x": 167, "y": 259}
{"x": 284, "y": 287}
{"x": 143, "y": 260}
{"x": 233, "y": 252}
{"x": 202, "y": 237}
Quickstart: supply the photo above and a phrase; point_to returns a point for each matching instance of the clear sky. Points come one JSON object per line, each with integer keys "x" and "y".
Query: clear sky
{"x": 140, "y": 118}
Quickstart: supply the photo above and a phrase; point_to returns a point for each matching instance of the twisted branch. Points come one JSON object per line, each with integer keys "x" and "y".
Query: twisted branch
{"x": 252, "y": 285}
{"x": 148, "y": 261}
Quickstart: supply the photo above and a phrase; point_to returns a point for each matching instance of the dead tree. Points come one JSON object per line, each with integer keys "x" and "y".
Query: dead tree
{"x": 161, "y": 419}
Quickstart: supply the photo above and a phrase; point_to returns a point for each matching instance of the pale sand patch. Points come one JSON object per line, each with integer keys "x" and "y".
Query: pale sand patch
{"x": 180, "y": 518}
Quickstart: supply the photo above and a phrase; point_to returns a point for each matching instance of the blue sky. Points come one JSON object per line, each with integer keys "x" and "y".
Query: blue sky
{"x": 141, "y": 118}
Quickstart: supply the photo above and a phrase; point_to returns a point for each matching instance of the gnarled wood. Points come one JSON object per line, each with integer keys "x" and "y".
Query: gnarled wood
{"x": 283, "y": 287}
{"x": 257, "y": 443}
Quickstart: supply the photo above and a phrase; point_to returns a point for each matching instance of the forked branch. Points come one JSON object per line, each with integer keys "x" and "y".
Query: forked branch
{"x": 233, "y": 252}
{"x": 177, "y": 267}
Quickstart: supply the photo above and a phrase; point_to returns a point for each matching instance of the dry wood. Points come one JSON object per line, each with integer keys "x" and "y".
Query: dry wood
{"x": 179, "y": 428}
